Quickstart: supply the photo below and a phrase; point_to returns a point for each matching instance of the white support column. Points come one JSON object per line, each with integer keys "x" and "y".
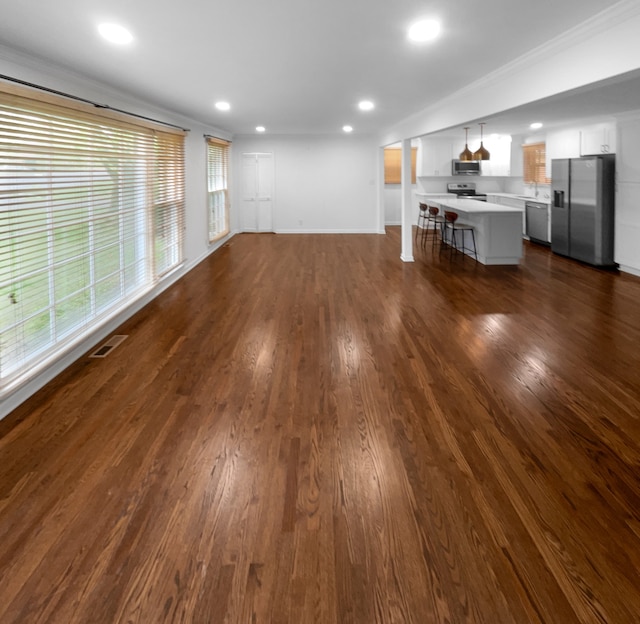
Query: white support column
{"x": 407, "y": 208}
{"x": 380, "y": 194}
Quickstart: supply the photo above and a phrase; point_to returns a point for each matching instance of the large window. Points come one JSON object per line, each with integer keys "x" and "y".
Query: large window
{"x": 393, "y": 165}
{"x": 534, "y": 169}
{"x": 91, "y": 216}
{"x": 217, "y": 187}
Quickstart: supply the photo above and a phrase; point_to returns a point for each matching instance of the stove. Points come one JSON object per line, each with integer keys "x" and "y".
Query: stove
{"x": 465, "y": 190}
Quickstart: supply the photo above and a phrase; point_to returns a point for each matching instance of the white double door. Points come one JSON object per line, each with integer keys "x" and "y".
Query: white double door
{"x": 257, "y": 192}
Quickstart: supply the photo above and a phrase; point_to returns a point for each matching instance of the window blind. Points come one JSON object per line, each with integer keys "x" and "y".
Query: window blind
{"x": 91, "y": 216}
{"x": 217, "y": 187}
{"x": 534, "y": 163}
{"x": 393, "y": 165}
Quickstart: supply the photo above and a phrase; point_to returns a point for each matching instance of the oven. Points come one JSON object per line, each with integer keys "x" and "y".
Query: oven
{"x": 465, "y": 190}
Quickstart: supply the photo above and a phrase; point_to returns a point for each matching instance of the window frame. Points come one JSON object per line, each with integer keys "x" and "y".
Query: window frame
{"x": 393, "y": 165}
{"x": 534, "y": 163}
{"x": 218, "y": 152}
{"x": 104, "y": 192}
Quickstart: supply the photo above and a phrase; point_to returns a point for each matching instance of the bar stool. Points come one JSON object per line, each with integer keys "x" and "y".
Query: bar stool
{"x": 435, "y": 225}
{"x": 453, "y": 225}
{"x": 422, "y": 219}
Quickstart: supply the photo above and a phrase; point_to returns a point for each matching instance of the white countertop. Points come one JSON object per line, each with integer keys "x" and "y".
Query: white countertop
{"x": 473, "y": 206}
{"x": 524, "y": 198}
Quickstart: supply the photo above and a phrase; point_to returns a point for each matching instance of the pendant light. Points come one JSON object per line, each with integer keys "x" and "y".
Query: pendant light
{"x": 466, "y": 153}
{"x": 482, "y": 153}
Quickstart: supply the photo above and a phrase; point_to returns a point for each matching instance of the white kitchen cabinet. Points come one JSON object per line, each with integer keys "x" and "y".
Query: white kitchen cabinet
{"x": 576, "y": 142}
{"x": 561, "y": 144}
{"x": 436, "y": 156}
{"x": 627, "y": 163}
{"x": 627, "y": 215}
{"x": 499, "y": 165}
{"x": 513, "y": 202}
{"x": 517, "y": 157}
{"x": 498, "y": 229}
{"x": 599, "y": 139}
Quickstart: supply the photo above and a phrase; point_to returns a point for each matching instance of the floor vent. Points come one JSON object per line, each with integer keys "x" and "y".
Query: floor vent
{"x": 108, "y": 346}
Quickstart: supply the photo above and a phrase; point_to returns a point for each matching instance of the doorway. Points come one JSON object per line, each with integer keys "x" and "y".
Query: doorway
{"x": 257, "y": 192}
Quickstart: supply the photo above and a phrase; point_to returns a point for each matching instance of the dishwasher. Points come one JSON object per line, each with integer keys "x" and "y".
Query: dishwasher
{"x": 537, "y": 215}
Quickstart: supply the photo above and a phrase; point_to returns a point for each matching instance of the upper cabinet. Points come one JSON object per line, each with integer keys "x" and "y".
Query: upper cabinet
{"x": 517, "y": 158}
{"x": 499, "y": 164}
{"x": 561, "y": 144}
{"x": 436, "y": 156}
{"x": 585, "y": 141}
{"x": 600, "y": 139}
{"x": 436, "y": 153}
{"x": 627, "y": 163}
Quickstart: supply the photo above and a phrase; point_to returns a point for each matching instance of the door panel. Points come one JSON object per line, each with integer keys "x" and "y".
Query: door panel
{"x": 265, "y": 193}
{"x": 584, "y": 184}
{"x": 560, "y": 206}
{"x": 257, "y": 192}
{"x": 249, "y": 193}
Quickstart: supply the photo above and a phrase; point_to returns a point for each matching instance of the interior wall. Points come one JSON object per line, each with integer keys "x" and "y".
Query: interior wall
{"x": 322, "y": 184}
{"x": 627, "y": 248}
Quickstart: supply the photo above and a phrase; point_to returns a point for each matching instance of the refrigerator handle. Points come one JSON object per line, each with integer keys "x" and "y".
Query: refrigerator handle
{"x": 558, "y": 199}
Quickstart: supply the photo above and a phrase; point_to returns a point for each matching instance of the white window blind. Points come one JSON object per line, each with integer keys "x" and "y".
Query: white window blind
{"x": 91, "y": 216}
{"x": 534, "y": 168}
{"x": 217, "y": 187}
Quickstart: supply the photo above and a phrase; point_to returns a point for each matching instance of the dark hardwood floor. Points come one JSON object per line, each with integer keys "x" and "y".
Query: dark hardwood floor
{"x": 307, "y": 430}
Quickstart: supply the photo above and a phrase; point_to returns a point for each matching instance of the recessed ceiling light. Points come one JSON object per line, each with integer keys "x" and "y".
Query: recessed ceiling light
{"x": 366, "y": 105}
{"x": 223, "y": 106}
{"x": 260, "y": 128}
{"x": 536, "y": 125}
{"x": 424, "y": 30}
{"x": 115, "y": 33}
{"x": 347, "y": 128}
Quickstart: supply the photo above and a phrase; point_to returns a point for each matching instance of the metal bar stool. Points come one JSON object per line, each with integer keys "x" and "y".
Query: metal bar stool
{"x": 422, "y": 220}
{"x": 435, "y": 225}
{"x": 452, "y": 225}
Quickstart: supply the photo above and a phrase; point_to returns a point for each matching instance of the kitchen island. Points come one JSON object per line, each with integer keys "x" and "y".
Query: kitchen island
{"x": 498, "y": 229}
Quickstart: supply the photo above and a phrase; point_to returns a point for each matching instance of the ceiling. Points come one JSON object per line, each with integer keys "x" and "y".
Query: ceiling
{"x": 293, "y": 66}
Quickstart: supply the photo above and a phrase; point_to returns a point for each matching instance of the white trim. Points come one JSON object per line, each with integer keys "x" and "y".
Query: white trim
{"x": 627, "y": 269}
{"x": 325, "y": 231}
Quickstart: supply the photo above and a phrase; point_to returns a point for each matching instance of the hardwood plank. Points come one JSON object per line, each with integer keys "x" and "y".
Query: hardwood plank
{"x": 306, "y": 429}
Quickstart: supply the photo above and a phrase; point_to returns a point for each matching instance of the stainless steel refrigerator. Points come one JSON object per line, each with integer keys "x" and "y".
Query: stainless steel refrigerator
{"x": 582, "y": 209}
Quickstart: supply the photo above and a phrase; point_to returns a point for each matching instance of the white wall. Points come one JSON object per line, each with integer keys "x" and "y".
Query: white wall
{"x": 196, "y": 239}
{"x": 323, "y": 184}
{"x": 627, "y": 245}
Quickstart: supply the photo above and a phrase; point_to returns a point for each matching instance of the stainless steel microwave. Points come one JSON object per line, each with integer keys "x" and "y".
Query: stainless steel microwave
{"x": 465, "y": 167}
